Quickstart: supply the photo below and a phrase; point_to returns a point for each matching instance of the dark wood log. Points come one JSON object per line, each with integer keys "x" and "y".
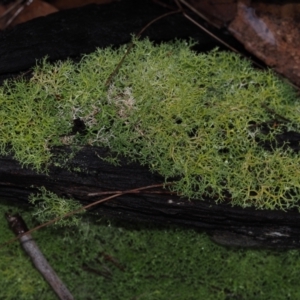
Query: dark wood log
{"x": 228, "y": 225}
{"x": 72, "y": 33}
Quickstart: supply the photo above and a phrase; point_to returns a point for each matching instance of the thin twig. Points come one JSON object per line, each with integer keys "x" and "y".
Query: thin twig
{"x": 203, "y": 28}
{"x": 19, "y": 227}
{"x": 197, "y": 12}
{"x": 271, "y": 111}
{"x": 221, "y": 41}
{"x": 137, "y": 192}
{"x": 131, "y": 45}
{"x": 71, "y": 213}
{"x": 163, "y": 4}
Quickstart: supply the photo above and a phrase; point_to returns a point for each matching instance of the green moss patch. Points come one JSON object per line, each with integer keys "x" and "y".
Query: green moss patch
{"x": 112, "y": 260}
{"x": 195, "y": 117}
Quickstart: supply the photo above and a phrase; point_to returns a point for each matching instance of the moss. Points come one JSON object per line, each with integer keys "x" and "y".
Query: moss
{"x": 111, "y": 260}
{"x": 196, "y": 117}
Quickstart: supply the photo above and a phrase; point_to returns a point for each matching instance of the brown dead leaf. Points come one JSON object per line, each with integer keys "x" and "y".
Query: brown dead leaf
{"x": 272, "y": 37}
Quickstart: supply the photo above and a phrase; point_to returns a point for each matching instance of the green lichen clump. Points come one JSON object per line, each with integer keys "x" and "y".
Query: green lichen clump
{"x": 192, "y": 116}
{"x": 48, "y": 205}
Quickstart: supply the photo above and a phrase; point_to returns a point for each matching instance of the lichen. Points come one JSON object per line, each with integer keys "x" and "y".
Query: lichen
{"x": 48, "y": 205}
{"x": 192, "y": 116}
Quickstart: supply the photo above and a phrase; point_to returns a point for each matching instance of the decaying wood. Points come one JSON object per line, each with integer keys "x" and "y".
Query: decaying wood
{"x": 72, "y": 33}
{"x": 227, "y": 225}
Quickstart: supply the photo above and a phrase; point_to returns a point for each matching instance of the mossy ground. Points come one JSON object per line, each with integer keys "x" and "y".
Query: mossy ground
{"x": 109, "y": 260}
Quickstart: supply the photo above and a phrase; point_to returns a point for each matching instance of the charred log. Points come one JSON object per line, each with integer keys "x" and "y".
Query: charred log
{"x": 228, "y": 225}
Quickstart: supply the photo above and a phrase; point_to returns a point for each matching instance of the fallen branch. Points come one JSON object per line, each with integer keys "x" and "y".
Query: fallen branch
{"x": 19, "y": 227}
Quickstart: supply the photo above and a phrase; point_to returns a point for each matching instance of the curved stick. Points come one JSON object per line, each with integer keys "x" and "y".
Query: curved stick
{"x": 19, "y": 227}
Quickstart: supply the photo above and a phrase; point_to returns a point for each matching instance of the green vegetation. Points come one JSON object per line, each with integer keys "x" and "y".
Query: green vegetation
{"x": 111, "y": 261}
{"x": 196, "y": 117}
{"x": 48, "y": 206}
